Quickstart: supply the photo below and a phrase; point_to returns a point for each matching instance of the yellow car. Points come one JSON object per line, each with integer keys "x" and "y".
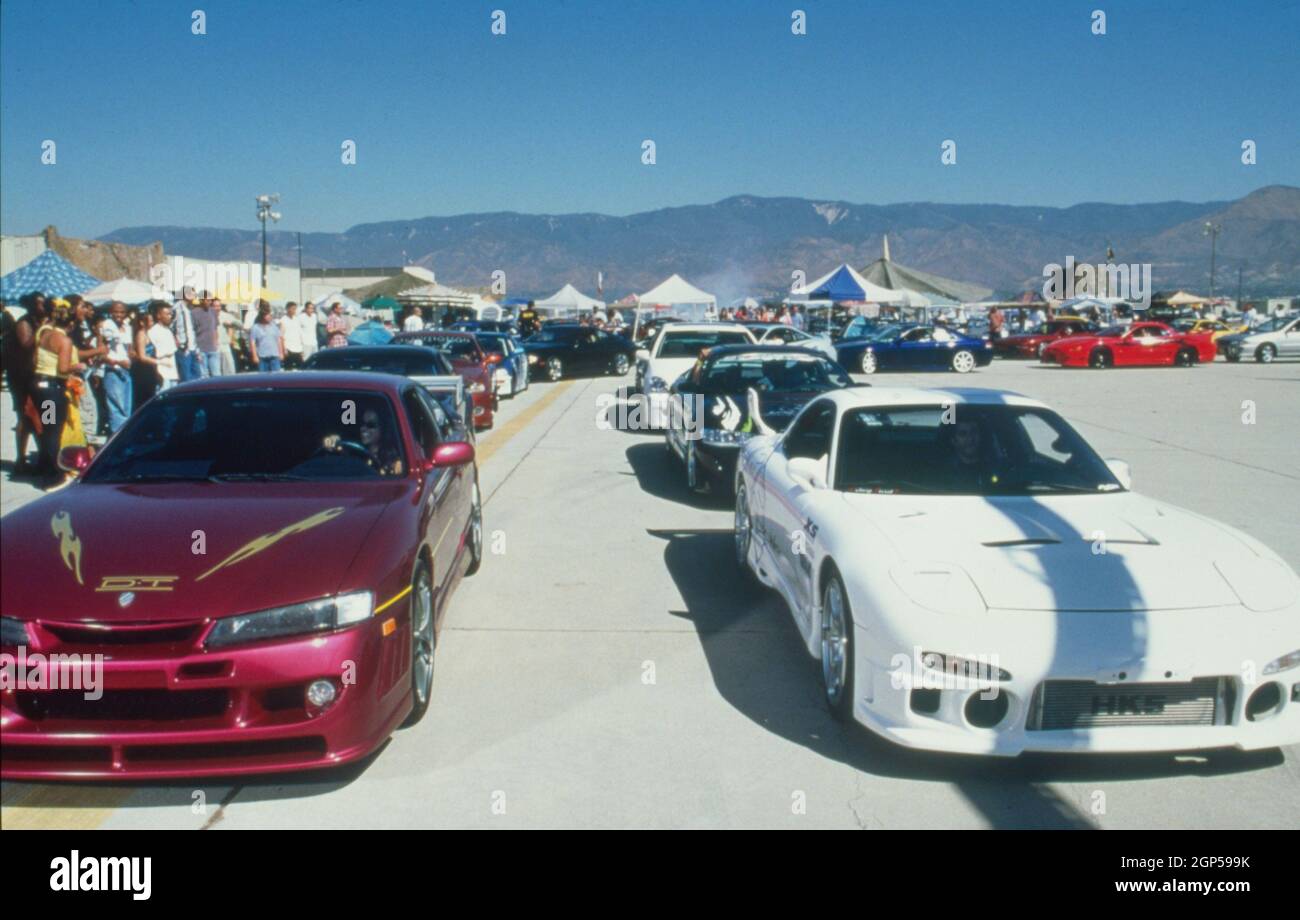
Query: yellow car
{"x": 1216, "y": 327}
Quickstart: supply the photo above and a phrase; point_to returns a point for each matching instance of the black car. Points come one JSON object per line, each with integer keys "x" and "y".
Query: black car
{"x": 426, "y": 366}
{"x": 563, "y": 350}
{"x": 709, "y": 415}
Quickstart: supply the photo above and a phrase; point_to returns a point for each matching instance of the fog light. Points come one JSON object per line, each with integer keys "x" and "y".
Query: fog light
{"x": 320, "y": 693}
{"x": 1264, "y": 702}
{"x": 987, "y": 712}
{"x": 925, "y": 702}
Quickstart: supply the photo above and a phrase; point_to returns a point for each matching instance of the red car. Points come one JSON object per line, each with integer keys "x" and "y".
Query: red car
{"x": 1031, "y": 344}
{"x": 1141, "y": 344}
{"x": 252, "y": 575}
{"x": 469, "y": 359}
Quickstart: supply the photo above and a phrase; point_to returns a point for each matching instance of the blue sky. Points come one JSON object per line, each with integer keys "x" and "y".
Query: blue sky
{"x": 155, "y": 125}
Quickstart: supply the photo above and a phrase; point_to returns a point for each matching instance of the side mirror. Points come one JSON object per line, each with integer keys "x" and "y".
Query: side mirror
{"x": 455, "y": 453}
{"x": 1121, "y": 471}
{"x": 74, "y": 459}
{"x": 811, "y": 471}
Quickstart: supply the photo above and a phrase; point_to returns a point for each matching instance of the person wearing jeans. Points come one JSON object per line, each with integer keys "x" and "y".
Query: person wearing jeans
{"x": 115, "y": 333}
{"x": 265, "y": 341}
{"x": 206, "y": 318}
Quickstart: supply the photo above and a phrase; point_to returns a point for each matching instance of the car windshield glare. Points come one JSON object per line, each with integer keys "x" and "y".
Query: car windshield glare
{"x": 690, "y": 344}
{"x": 773, "y": 374}
{"x": 278, "y": 435}
{"x": 991, "y": 450}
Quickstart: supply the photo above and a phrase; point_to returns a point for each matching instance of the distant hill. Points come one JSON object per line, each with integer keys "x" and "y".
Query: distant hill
{"x": 750, "y": 245}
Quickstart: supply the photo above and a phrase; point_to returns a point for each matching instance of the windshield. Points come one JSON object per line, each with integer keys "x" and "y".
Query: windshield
{"x": 687, "y": 344}
{"x": 401, "y": 363}
{"x": 884, "y": 333}
{"x": 549, "y": 336}
{"x": 979, "y": 450}
{"x": 1274, "y": 324}
{"x": 274, "y": 435}
{"x": 493, "y": 344}
{"x": 773, "y": 374}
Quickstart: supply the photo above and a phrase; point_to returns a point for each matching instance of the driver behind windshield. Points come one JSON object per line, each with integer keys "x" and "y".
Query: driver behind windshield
{"x": 371, "y": 439}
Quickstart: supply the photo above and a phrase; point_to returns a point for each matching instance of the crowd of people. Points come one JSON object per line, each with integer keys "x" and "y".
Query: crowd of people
{"x": 75, "y": 373}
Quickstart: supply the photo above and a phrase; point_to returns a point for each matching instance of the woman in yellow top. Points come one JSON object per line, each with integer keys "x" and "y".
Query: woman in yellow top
{"x": 56, "y": 358}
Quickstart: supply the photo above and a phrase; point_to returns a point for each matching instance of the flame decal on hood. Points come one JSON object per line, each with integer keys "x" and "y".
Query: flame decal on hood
{"x": 255, "y": 546}
{"x": 69, "y": 543}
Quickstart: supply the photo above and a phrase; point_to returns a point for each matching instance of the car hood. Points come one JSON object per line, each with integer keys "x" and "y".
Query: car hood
{"x": 731, "y": 411}
{"x": 669, "y": 369}
{"x": 74, "y": 555}
{"x": 1111, "y": 552}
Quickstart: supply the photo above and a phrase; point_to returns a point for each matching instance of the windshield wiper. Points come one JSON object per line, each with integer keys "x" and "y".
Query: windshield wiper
{"x": 257, "y": 477}
{"x": 153, "y": 477}
{"x": 1060, "y": 487}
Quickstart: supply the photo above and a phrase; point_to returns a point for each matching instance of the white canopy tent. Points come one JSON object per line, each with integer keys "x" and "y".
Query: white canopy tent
{"x": 323, "y": 304}
{"x": 568, "y": 301}
{"x": 681, "y": 297}
{"x": 124, "y": 289}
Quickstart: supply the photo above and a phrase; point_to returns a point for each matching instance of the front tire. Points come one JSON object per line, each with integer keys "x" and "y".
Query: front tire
{"x": 423, "y": 642}
{"x": 475, "y": 531}
{"x": 868, "y": 362}
{"x": 963, "y": 362}
{"x": 692, "y": 469}
{"x": 743, "y": 530}
{"x": 620, "y": 366}
{"x": 837, "y": 648}
{"x": 1185, "y": 358}
{"x": 554, "y": 369}
{"x": 1266, "y": 353}
{"x": 1100, "y": 359}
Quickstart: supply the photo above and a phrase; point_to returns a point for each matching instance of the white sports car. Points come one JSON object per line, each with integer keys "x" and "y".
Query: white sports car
{"x": 974, "y": 578}
{"x": 674, "y": 352}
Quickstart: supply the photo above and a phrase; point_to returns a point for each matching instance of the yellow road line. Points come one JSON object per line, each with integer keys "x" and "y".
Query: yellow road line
{"x": 58, "y": 807}
{"x": 47, "y": 807}
{"x": 511, "y": 428}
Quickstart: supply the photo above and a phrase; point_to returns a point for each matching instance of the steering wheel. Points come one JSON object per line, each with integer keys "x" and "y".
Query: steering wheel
{"x": 351, "y": 447}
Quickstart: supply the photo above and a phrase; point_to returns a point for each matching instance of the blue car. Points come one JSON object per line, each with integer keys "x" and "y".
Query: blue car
{"x": 913, "y": 347}
{"x": 511, "y": 374}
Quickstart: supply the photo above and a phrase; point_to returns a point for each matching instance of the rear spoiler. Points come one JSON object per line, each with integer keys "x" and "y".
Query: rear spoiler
{"x": 449, "y": 385}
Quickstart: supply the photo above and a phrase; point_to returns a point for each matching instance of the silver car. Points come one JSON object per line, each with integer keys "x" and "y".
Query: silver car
{"x": 781, "y": 334}
{"x": 1278, "y": 337}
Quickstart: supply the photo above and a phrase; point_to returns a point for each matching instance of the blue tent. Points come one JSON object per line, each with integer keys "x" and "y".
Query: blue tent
{"x": 49, "y": 273}
{"x": 370, "y": 332}
{"x": 846, "y": 285}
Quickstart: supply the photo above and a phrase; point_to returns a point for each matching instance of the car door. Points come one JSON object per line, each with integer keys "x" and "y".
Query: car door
{"x": 441, "y": 489}
{"x": 1289, "y": 341}
{"x": 915, "y": 349}
{"x": 789, "y": 526}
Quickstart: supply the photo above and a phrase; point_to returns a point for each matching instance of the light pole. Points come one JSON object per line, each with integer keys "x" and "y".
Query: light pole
{"x": 264, "y": 211}
{"x": 1212, "y": 230}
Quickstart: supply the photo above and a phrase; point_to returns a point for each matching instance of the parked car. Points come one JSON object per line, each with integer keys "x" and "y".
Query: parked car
{"x": 1278, "y": 337}
{"x": 673, "y": 352}
{"x": 914, "y": 347}
{"x": 1031, "y": 344}
{"x": 511, "y": 374}
{"x": 711, "y": 413}
{"x": 426, "y": 366}
{"x": 558, "y": 351}
{"x": 1141, "y": 344}
{"x": 781, "y": 334}
{"x": 467, "y": 356}
{"x": 938, "y": 551}
{"x": 263, "y": 563}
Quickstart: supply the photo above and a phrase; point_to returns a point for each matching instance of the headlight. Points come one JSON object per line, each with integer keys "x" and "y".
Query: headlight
{"x": 12, "y": 631}
{"x": 658, "y": 384}
{"x": 299, "y": 619}
{"x": 476, "y": 388}
{"x": 721, "y": 436}
{"x": 1285, "y": 663}
{"x": 533, "y": 359}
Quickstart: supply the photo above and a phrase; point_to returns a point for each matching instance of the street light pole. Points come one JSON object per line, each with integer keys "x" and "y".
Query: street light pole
{"x": 264, "y": 211}
{"x": 1212, "y": 230}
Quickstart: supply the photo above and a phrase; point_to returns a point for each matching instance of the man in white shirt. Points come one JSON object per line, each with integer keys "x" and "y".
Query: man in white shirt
{"x": 164, "y": 345}
{"x": 414, "y": 321}
{"x": 307, "y": 320}
{"x": 291, "y": 332}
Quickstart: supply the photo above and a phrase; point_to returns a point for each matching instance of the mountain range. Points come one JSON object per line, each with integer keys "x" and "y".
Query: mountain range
{"x": 751, "y": 245}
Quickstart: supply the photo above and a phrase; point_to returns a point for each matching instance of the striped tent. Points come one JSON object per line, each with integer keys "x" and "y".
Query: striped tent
{"x": 49, "y": 273}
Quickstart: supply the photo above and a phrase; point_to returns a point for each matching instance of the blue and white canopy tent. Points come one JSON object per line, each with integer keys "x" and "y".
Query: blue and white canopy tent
{"x": 49, "y": 273}
{"x": 844, "y": 285}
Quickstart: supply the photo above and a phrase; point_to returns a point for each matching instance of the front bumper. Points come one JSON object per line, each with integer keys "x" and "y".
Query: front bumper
{"x": 1120, "y": 682}
{"x": 178, "y": 712}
